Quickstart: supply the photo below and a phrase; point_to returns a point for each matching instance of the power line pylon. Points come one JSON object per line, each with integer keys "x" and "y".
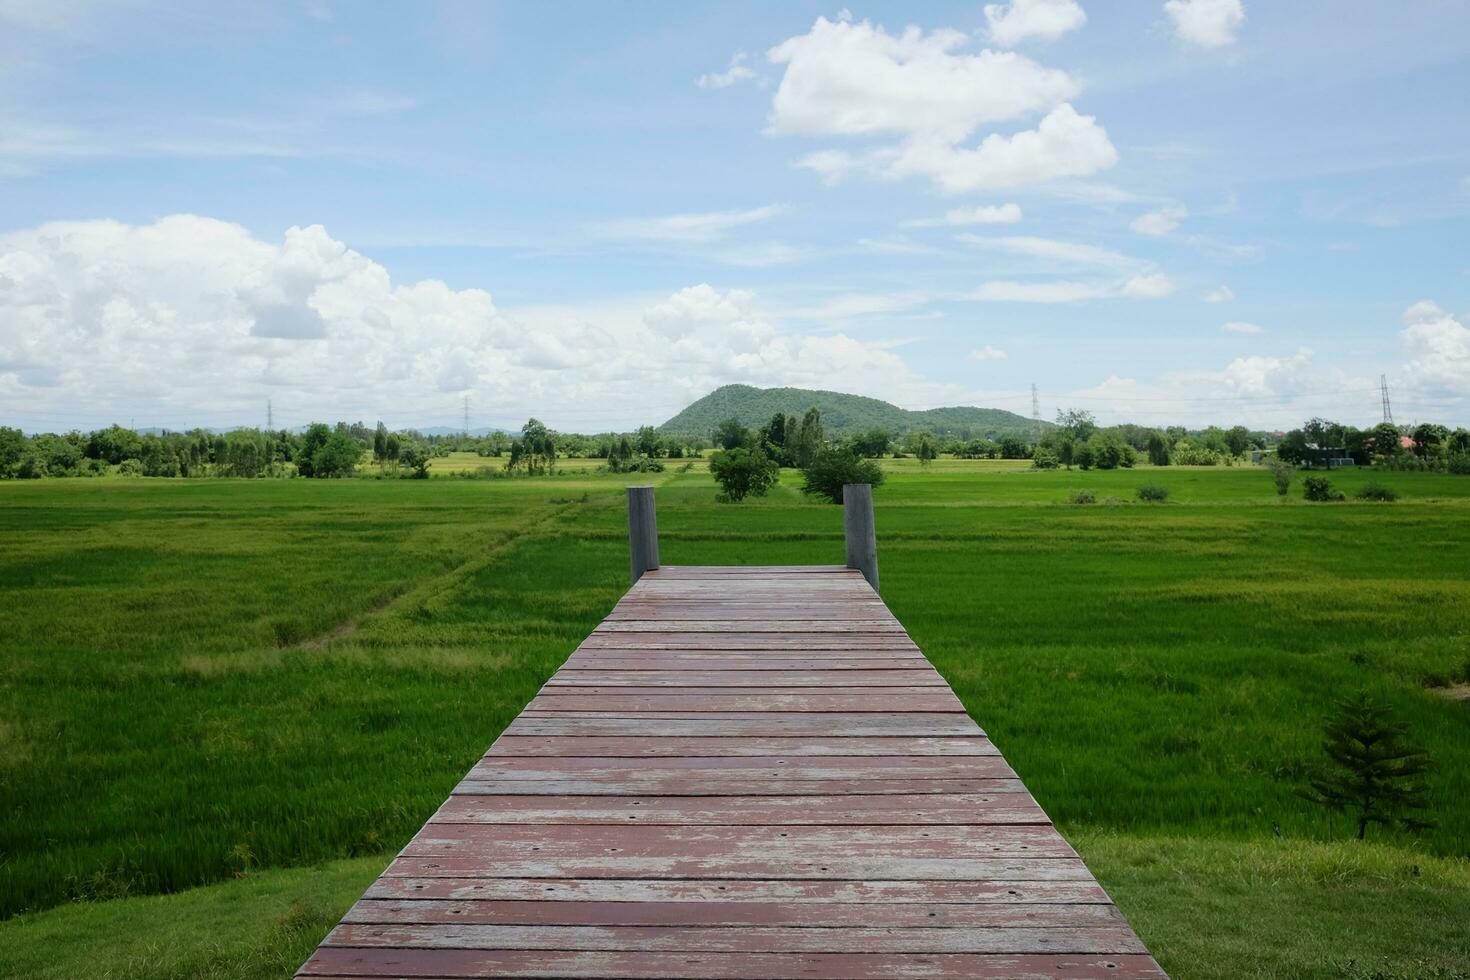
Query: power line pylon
{"x": 467, "y": 416}
{"x": 1387, "y": 409}
{"x": 270, "y": 418}
{"x": 1036, "y": 412}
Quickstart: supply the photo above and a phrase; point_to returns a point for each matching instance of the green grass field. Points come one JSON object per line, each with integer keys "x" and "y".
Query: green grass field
{"x": 224, "y": 703}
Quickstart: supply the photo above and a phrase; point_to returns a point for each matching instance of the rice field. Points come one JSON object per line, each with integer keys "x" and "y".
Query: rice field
{"x": 208, "y": 684}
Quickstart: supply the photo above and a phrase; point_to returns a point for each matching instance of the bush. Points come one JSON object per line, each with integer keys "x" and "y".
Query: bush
{"x": 1281, "y": 472}
{"x": 1319, "y": 488}
{"x": 1377, "y": 491}
{"x": 1459, "y": 464}
{"x": 832, "y": 469}
{"x": 1083, "y": 497}
{"x": 743, "y": 473}
{"x": 1152, "y": 493}
{"x": 130, "y": 467}
{"x": 1045, "y": 459}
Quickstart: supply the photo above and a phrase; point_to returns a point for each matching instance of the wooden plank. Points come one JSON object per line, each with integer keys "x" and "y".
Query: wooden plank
{"x": 729, "y": 914}
{"x": 750, "y": 939}
{"x": 685, "y": 784}
{"x": 573, "y": 964}
{"x": 845, "y": 810}
{"x": 572, "y": 746}
{"x": 758, "y": 700}
{"x": 695, "y": 679}
{"x": 783, "y": 891}
{"x": 742, "y": 724}
{"x": 741, "y": 766}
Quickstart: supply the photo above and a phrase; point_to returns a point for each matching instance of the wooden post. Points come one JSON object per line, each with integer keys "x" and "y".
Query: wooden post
{"x": 642, "y": 531}
{"x": 862, "y": 538}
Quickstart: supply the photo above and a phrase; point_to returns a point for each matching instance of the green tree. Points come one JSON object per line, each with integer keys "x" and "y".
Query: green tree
{"x": 649, "y": 442}
{"x": 380, "y": 442}
{"x": 1237, "y": 440}
{"x": 809, "y": 438}
{"x": 1383, "y": 440}
{"x": 831, "y": 469}
{"x": 1158, "y": 449}
{"x": 1085, "y": 456}
{"x": 1013, "y": 447}
{"x": 730, "y": 434}
{"x": 338, "y": 456}
{"x": 742, "y": 473}
{"x": 1376, "y": 771}
{"x": 925, "y": 450}
{"x": 312, "y": 440}
{"x": 12, "y": 446}
{"x": 872, "y": 444}
{"x": 114, "y": 444}
{"x": 1077, "y": 423}
{"x": 416, "y": 457}
{"x": 1429, "y": 440}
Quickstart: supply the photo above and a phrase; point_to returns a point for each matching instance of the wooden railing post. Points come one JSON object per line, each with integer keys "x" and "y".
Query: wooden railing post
{"x": 642, "y": 531}
{"x": 862, "y": 537}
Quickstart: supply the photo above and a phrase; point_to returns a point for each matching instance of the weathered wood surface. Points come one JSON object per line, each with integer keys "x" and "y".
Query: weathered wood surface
{"x": 743, "y": 773}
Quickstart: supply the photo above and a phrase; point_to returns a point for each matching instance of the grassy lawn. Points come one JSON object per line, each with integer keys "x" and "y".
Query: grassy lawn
{"x": 220, "y": 681}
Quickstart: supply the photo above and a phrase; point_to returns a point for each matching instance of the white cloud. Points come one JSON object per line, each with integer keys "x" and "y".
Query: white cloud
{"x": 1142, "y": 286}
{"x": 1240, "y": 326}
{"x": 984, "y": 214}
{"x": 987, "y": 353}
{"x": 1222, "y": 295}
{"x": 1208, "y": 23}
{"x": 703, "y": 226}
{"x": 852, "y": 79}
{"x": 1037, "y": 292}
{"x": 1256, "y": 390}
{"x": 1064, "y": 144}
{"x": 737, "y": 72}
{"x": 1021, "y": 20}
{"x": 1051, "y": 249}
{"x": 1149, "y": 286}
{"x": 190, "y": 320}
{"x": 1159, "y": 222}
{"x": 855, "y": 79}
{"x": 1439, "y": 350}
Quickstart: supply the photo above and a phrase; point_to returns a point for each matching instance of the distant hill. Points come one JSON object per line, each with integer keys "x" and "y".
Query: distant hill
{"x": 842, "y": 415}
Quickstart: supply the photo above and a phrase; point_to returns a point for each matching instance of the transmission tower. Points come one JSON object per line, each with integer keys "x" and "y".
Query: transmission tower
{"x": 467, "y": 416}
{"x": 1036, "y": 412}
{"x": 1383, "y": 387}
{"x": 270, "y": 418}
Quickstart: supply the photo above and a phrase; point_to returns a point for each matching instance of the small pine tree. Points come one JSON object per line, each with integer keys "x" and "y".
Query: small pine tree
{"x": 1377, "y": 772}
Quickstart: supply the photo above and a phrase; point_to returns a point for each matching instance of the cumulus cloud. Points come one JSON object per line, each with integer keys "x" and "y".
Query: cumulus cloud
{"x": 1240, "y": 326}
{"x": 987, "y": 353}
{"x": 1159, "y": 222}
{"x": 737, "y": 72}
{"x": 855, "y": 79}
{"x": 187, "y": 318}
{"x": 1208, "y": 23}
{"x": 1154, "y": 285}
{"x": 984, "y": 214}
{"x": 1023, "y": 20}
{"x": 1222, "y": 295}
{"x": 1438, "y": 345}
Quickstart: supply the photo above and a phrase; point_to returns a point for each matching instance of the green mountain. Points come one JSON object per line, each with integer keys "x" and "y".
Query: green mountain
{"x": 842, "y": 415}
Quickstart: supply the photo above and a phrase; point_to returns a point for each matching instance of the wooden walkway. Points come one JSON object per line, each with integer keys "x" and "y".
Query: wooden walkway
{"x": 744, "y": 773}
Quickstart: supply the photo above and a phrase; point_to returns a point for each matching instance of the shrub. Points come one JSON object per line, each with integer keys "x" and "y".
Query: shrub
{"x": 832, "y": 469}
{"x": 1045, "y": 459}
{"x": 1152, "y": 493}
{"x": 1377, "y": 491}
{"x": 1459, "y": 464}
{"x": 1319, "y": 488}
{"x": 130, "y": 467}
{"x": 743, "y": 473}
{"x": 1282, "y": 473}
{"x": 1083, "y": 497}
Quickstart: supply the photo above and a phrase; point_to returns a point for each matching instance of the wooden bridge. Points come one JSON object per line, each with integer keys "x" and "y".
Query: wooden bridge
{"x": 747, "y": 773}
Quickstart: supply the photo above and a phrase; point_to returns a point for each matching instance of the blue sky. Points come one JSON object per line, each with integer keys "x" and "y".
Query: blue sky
{"x": 1196, "y": 211}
